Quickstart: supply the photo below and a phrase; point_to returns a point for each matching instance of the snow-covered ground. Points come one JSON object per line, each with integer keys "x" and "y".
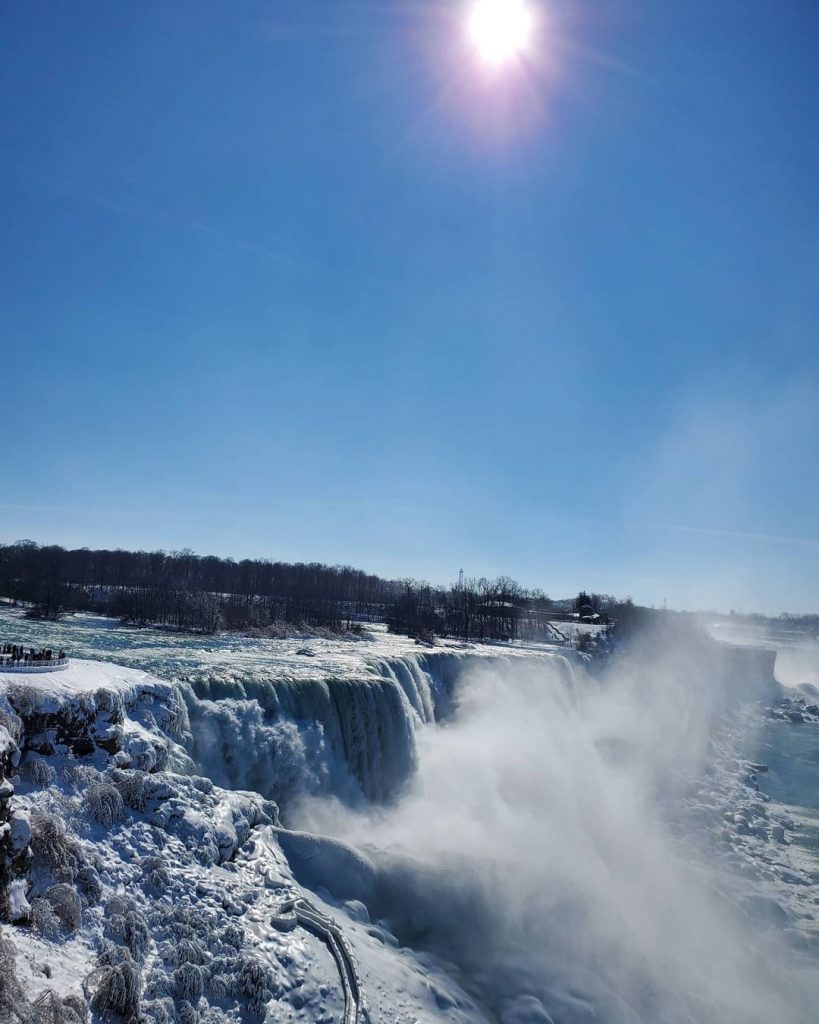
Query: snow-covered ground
{"x": 464, "y": 834}
{"x": 170, "y": 878}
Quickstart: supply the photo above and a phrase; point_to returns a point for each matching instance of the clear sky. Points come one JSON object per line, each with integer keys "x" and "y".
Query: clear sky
{"x": 306, "y": 279}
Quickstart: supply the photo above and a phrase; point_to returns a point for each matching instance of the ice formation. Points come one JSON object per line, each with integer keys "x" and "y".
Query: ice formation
{"x": 382, "y": 832}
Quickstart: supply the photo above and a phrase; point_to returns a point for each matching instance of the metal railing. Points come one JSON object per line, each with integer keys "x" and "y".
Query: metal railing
{"x": 20, "y": 665}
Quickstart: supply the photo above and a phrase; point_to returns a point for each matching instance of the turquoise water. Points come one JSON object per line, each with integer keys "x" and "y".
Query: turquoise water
{"x": 791, "y": 752}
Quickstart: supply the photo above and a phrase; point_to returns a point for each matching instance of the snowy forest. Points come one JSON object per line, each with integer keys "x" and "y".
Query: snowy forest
{"x": 183, "y": 590}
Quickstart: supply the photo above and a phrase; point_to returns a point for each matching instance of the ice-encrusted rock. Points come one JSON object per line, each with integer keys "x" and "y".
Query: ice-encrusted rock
{"x": 19, "y": 907}
{"x": 20, "y": 830}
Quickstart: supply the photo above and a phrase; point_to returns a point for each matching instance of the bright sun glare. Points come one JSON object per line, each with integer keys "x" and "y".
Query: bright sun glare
{"x": 500, "y": 29}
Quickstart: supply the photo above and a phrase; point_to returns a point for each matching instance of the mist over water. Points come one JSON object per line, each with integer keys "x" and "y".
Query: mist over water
{"x": 544, "y": 846}
{"x": 575, "y": 848}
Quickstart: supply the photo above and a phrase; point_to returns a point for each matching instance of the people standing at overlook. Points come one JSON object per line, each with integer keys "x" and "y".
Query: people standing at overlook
{"x": 15, "y": 655}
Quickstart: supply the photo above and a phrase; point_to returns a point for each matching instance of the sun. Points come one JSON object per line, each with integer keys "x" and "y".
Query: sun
{"x": 500, "y": 29}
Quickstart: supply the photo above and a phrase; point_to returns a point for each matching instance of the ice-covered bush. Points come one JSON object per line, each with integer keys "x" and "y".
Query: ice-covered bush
{"x": 78, "y": 1005}
{"x": 202, "y": 784}
{"x": 218, "y": 985}
{"x": 25, "y": 699}
{"x": 233, "y": 935}
{"x": 14, "y": 1005}
{"x": 43, "y": 918}
{"x": 125, "y": 924}
{"x": 155, "y": 874}
{"x": 136, "y": 935}
{"x": 89, "y": 885}
{"x": 143, "y": 754}
{"x": 213, "y": 1015}
{"x": 53, "y": 845}
{"x": 254, "y": 974}
{"x": 131, "y": 787}
{"x": 105, "y": 804}
{"x": 190, "y": 951}
{"x": 40, "y": 772}
{"x": 189, "y": 981}
{"x": 49, "y": 1008}
{"x": 117, "y": 905}
{"x": 109, "y": 702}
{"x": 65, "y": 902}
{"x": 187, "y": 1014}
{"x": 11, "y": 722}
{"x": 157, "y": 1011}
{"x": 250, "y": 980}
{"x": 257, "y": 1003}
{"x": 82, "y": 775}
{"x": 117, "y": 985}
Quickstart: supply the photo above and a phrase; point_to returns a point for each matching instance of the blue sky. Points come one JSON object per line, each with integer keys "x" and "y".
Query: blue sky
{"x": 302, "y": 280}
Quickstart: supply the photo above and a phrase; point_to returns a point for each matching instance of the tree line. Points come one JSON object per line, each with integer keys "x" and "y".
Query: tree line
{"x": 183, "y": 590}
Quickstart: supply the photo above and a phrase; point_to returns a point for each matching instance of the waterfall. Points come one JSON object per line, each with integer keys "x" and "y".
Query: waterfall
{"x": 352, "y": 737}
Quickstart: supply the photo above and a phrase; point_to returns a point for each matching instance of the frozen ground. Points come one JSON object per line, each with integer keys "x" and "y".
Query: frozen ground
{"x": 472, "y": 834}
{"x": 182, "y": 880}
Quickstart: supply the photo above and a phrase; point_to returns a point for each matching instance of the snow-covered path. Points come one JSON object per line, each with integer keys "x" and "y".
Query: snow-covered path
{"x": 302, "y": 911}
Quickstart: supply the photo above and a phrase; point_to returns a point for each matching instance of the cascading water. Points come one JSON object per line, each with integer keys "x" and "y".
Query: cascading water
{"x": 565, "y": 842}
{"x": 352, "y": 737}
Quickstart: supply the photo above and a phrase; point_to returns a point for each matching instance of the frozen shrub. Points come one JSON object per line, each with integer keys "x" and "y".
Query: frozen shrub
{"x": 13, "y": 1003}
{"x": 109, "y": 702}
{"x": 186, "y": 1014}
{"x": 23, "y": 698}
{"x": 173, "y": 717}
{"x": 251, "y": 979}
{"x": 126, "y": 924}
{"x": 10, "y": 722}
{"x": 65, "y": 902}
{"x": 117, "y": 905}
{"x": 233, "y": 935}
{"x": 48, "y": 1008}
{"x": 40, "y": 773}
{"x": 89, "y": 884}
{"x": 136, "y": 935}
{"x": 202, "y": 784}
{"x": 53, "y": 845}
{"x": 189, "y": 981}
{"x": 78, "y": 1006}
{"x": 82, "y": 775}
{"x": 117, "y": 985}
{"x": 43, "y": 919}
{"x": 131, "y": 787}
{"x": 105, "y": 804}
{"x": 254, "y": 973}
{"x": 219, "y": 986}
{"x": 157, "y": 1011}
{"x": 190, "y": 951}
{"x": 143, "y": 754}
{"x": 162, "y": 757}
{"x": 154, "y": 873}
{"x": 257, "y": 1003}
{"x": 158, "y": 985}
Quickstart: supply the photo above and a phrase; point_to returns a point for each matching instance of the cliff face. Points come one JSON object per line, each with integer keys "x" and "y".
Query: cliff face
{"x": 133, "y": 889}
{"x": 81, "y": 717}
{"x": 95, "y": 787}
{"x": 14, "y": 852}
